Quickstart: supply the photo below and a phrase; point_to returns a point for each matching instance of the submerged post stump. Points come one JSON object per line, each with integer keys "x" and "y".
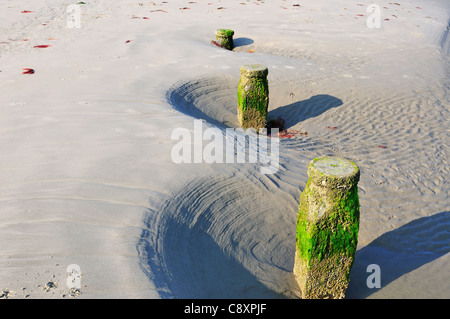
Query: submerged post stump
{"x": 327, "y": 228}
{"x": 224, "y": 38}
{"x": 253, "y": 96}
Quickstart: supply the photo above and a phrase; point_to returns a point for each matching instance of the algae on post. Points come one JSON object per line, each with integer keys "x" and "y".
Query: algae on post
{"x": 327, "y": 228}
{"x": 224, "y": 38}
{"x": 253, "y": 96}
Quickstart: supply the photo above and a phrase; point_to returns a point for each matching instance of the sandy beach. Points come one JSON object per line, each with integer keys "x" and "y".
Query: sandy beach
{"x": 91, "y": 94}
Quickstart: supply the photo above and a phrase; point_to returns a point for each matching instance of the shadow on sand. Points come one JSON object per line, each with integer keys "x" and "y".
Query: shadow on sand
{"x": 215, "y": 101}
{"x": 239, "y": 42}
{"x": 302, "y": 110}
{"x": 401, "y": 251}
{"x": 186, "y": 262}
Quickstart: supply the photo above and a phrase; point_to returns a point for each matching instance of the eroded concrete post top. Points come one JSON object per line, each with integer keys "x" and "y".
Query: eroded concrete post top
{"x": 333, "y": 172}
{"x": 254, "y": 70}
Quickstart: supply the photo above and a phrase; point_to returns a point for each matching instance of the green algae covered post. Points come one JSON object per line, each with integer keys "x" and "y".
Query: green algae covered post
{"x": 224, "y": 38}
{"x": 327, "y": 228}
{"x": 253, "y": 96}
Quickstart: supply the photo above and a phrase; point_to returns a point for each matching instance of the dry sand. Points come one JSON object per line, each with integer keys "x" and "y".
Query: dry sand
{"x": 86, "y": 171}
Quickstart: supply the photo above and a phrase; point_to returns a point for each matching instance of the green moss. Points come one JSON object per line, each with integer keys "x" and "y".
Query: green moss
{"x": 225, "y": 32}
{"x": 336, "y": 232}
{"x": 327, "y": 228}
{"x": 251, "y": 118}
{"x": 254, "y": 95}
{"x": 224, "y": 38}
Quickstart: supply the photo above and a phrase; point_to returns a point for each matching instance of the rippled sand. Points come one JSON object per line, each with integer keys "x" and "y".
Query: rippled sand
{"x": 86, "y": 168}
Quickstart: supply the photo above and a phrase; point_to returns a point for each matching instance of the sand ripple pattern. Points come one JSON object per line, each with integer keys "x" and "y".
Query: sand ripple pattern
{"x": 219, "y": 239}
{"x": 391, "y": 135}
{"x": 234, "y": 236}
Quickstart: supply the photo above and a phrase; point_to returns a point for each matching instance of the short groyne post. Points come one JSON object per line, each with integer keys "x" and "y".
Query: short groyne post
{"x": 224, "y": 38}
{"x": 327, "y": 228}
{"x": 253, "y": 96}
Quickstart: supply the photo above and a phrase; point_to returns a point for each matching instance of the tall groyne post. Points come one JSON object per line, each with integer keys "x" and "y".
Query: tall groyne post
{"x": 253, "y": 96}
{"x": 327, "y": 228}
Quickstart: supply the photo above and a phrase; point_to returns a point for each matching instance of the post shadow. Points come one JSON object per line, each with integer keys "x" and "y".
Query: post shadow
{"x": 222, "y": 113}
{"x": 239, "y": 42}
{"x": 291, "y": 114}
{"x": 445, "y": 39}
{"x": 400, "y": 251}
{"x": 189, "y": 108}
{"x": 302, "y": 110}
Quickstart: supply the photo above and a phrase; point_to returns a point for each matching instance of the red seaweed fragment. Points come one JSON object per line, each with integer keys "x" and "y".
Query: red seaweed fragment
{"x": 282, "y": 131}
{"x": 216, "y": 43}
{"x": 290, "y": 133}
{"x": 27, "y": 71}
{"x": 42, "y": 46}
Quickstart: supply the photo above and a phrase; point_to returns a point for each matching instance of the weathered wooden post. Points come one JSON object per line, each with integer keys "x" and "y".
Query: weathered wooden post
{"x": 327, "y": 228}
{"x": 224, "y": 38}
{"x": 253, "y": 96}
